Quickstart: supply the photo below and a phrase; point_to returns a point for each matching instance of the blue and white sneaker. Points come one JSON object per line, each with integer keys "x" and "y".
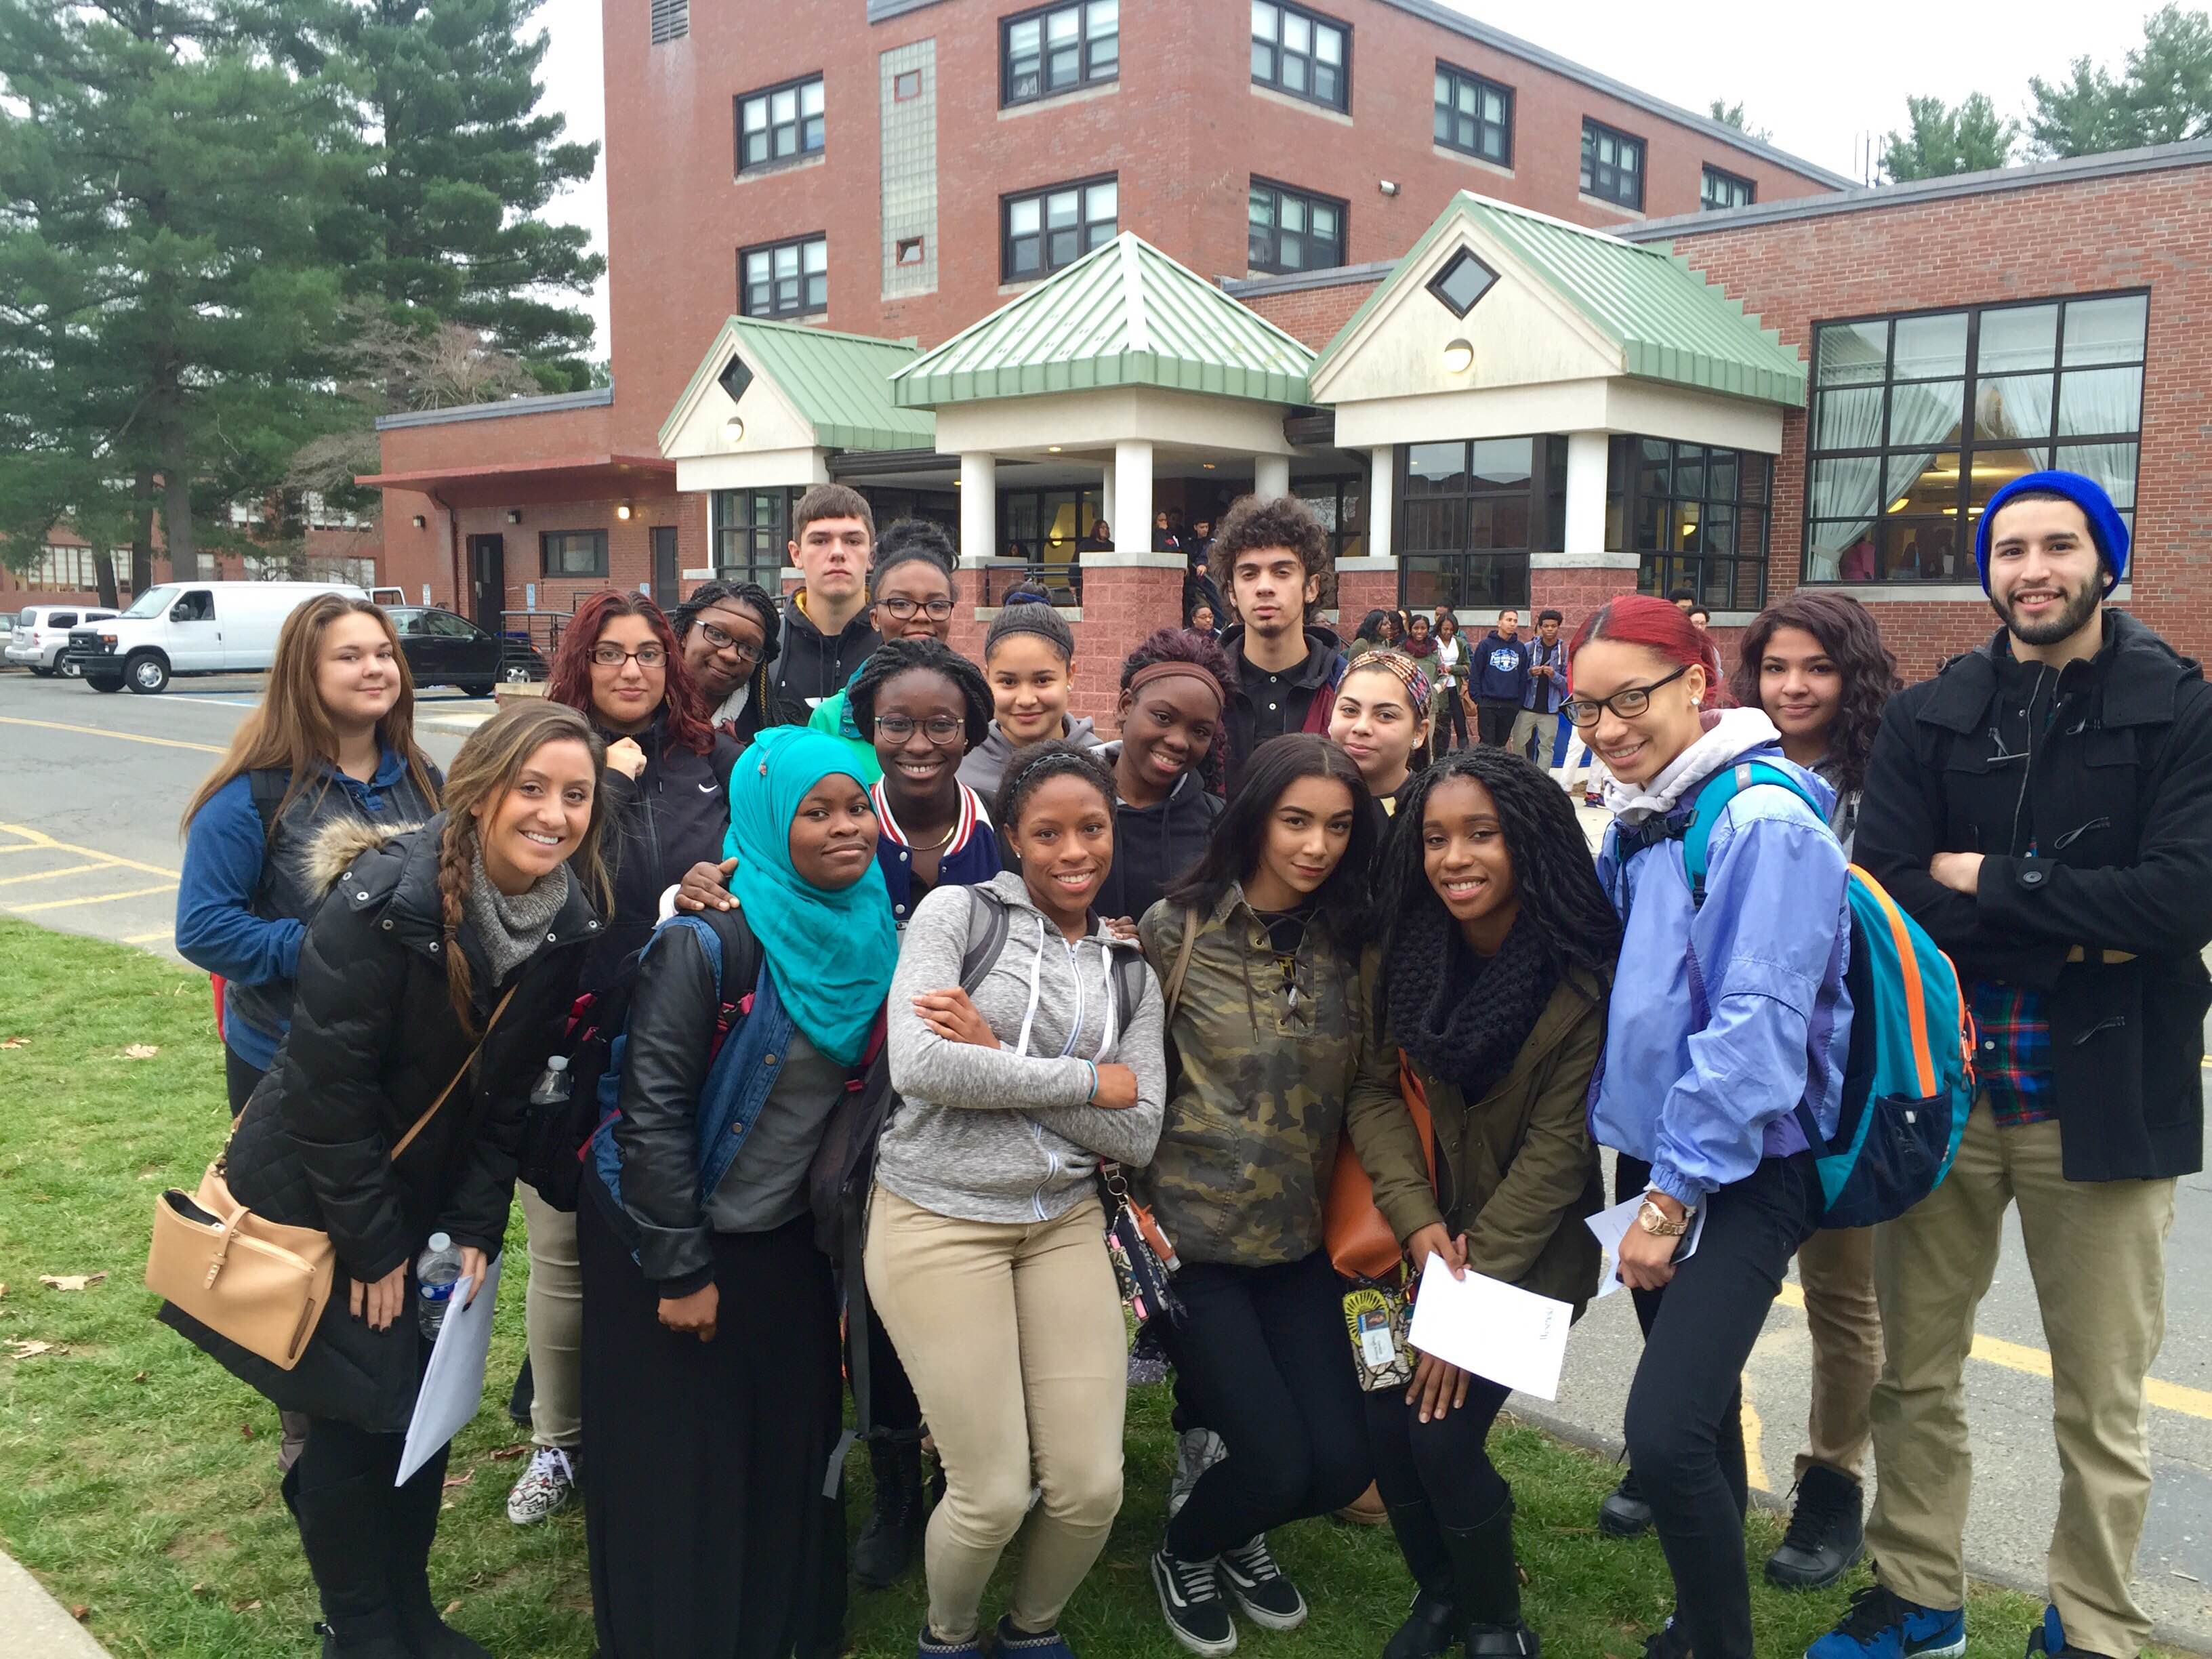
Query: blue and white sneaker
{"x": 1881, "y": 1625}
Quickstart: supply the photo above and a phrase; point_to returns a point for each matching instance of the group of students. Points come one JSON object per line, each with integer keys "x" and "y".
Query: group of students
{"x": 754, "y": 864}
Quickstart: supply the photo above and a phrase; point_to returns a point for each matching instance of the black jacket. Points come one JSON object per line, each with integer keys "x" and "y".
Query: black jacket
{"x": 675, "y": 814}
{"x": 1154, "y": 845}
{"x": 2113, "y": 799}
{"x": 373, "y": 1040}
{"x": 1308, "y": 699}
{"x": 811, "y": 666}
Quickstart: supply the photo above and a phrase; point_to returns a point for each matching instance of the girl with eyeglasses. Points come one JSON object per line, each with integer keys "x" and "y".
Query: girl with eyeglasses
{"x": 667, "y": 789}
{"x": 923, "y": 706}
{"x": 1730, "y": 1025}
{"x": 911, "y": 597}
{"x": 1028, "y": 658}
{"x": 728, "y": 633}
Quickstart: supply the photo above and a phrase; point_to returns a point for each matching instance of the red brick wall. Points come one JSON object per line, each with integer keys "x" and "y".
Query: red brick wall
{"x": 1314, "y": 315}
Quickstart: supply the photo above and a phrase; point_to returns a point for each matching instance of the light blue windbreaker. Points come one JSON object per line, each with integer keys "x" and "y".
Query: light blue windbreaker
{"x": 1702, "y": 1105}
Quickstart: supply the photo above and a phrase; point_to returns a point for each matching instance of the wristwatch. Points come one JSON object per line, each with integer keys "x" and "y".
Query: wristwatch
{"x": 1653, "y": 1220}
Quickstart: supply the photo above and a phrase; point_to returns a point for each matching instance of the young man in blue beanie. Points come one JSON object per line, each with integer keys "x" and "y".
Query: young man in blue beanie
{"x": 2043, "y": 806}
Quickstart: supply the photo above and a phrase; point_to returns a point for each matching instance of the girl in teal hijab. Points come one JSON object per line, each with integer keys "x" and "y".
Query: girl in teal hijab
{"x": 831, "y": 950}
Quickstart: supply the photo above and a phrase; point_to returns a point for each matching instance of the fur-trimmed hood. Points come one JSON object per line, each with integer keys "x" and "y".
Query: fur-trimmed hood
{"x": 339, "y": 844}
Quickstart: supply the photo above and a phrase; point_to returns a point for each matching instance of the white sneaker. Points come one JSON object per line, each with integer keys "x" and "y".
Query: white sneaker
{"x": 545, "y": 1487}
{"x": 1197, "y": 1450}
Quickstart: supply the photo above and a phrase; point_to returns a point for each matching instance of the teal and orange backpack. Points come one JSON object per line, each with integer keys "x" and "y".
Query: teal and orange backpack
{"x": 1909, "y": 1075}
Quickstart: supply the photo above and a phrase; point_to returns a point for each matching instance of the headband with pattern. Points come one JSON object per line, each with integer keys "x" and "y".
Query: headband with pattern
{"x": 1408, "y": 674}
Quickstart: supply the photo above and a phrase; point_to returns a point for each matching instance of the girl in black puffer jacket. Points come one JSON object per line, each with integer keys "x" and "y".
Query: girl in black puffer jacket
{"x": 466, "y": 930}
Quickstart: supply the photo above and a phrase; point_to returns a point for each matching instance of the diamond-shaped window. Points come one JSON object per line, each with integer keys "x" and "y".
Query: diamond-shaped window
{"x": 1463, "y": 281}
{"x": 736, "y": 374}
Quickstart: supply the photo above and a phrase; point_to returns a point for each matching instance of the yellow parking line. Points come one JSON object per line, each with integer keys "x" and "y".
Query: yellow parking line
{"x": 97, "y": 898}
{"x": 1754, "y": 1464}
{"x": 120, "y": 737}
{"x": 146, "y": 939}
{"x": 39, "y": 839}
{"x": 47, "y": 875}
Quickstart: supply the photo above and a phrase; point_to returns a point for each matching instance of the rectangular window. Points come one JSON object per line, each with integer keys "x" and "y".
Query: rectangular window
{"x": 1303, "y": 53}
{"x": 1058, "y": 49}
{"x": 573, "y": 552}
{"x": 1341, "y": 505}
{"x": 779, "y": 124}
{"x": 1474, "y": 116}
{"x": 1613, "y": 166}
{"x": 1289, "y": 230}
{"x": 671, "y": 21}
{"x": 752, "y": 533}
{"x": 1469, "y": 514}
{"x": 905, "y": 85}
{"x": 1720, "y": 190}
{"x": 1917, "y": 419}
{"x": 1042, "y": 230}
{"x": 63, "y": 569}
{"x": 1050, "y": 530}
{"x": 1695, "y": 515}
{"x": 784, "y": 279}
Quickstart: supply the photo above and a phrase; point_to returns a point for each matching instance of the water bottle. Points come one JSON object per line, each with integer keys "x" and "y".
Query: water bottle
{"x": 435, "y": 1273}
{"x": 554, "y": 1086}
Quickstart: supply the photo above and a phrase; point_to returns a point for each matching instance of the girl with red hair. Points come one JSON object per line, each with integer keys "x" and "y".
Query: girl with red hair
{"x": 667, "y": 790}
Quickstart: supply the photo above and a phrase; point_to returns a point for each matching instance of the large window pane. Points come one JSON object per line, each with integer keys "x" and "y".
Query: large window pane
{"x": 2099, "y": 401}
{"x": 2020, "y": 336}
{"x": 2012, "y": 406}
{"x": 2106, "y": 331}
{"x": 1851, "y": 354}
{"x": 2112, "y": 466}
{"x": 1435, "y": 467}
{"x": 1927, "y": 347}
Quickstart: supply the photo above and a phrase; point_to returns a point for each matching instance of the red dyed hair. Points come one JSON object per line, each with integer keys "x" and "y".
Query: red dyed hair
{"x": 571, "y": 681}
{"x": 1656, "y": 625}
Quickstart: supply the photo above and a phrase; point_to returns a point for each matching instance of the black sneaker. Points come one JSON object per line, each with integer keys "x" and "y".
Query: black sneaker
{"x": 1431, "y": 1631}
{"x": 1502, "y": 1641}
{"x": 1624, "y": 1514}
{"x": 1669, "y": 1641}
{"x": 1827, "y": 1536}
{"x": 1258, "y": 1588}
{"x": 1190, "y": 1600}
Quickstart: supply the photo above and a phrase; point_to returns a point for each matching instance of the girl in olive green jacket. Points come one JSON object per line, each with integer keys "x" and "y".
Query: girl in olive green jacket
{"x": 1493, "y": 983}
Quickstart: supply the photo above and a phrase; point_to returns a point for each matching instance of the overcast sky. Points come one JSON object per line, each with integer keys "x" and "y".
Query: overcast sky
{"x": 1818, "y": 78}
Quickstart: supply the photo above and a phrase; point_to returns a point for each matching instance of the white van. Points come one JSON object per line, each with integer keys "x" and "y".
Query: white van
{"x": 192, "y": 628}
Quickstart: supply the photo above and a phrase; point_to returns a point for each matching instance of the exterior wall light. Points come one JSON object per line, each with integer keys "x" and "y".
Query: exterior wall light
{"x": 733, "y": 429}
{"x": 421, "y": 522}
{"x": 622, "y": 511}
{"x": 515, "y": 515}
{"x": 1387, "y": 186}
{"x": 1458, "y": 356}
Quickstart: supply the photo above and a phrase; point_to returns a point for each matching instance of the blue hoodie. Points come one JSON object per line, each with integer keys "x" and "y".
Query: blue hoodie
{"x": 1703, "y": 1103}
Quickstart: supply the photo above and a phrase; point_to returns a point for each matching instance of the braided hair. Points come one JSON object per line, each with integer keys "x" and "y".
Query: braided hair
{"x": 896, "y": 657}
{"x": 1553, "y": 872}
{"x": 1203, "y": 652}
{"x": 1038, "y": 764}
{"x": 756, "y": 598}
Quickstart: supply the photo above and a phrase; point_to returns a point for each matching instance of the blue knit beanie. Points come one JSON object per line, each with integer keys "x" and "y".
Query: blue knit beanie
{"x": 2106, "y": 528}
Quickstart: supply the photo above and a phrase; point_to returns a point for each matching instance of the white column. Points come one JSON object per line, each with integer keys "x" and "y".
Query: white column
{"x": 1106, "y": 499}
{"x": 1381, "y": 501}
{"x": 1132, "y": 496}
{"x": 1584, "y": 531}
{"x": 979, "y": 505}
{"x": 1271, "y": 475}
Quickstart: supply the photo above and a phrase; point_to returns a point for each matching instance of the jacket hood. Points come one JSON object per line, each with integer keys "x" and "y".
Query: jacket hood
{"x": 1730, "y": 735}
{"x": 341, "y": 842}
{"x": 1009, "y": 886}
{"x": 795, "y": 620}
{"x": 1029, "y": 930}
{"x": 998, "y": 748}
{"x": 396, "y": 867}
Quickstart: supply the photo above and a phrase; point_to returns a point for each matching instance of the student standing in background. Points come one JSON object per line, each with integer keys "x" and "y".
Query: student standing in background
{"x": 1498, "y": 675}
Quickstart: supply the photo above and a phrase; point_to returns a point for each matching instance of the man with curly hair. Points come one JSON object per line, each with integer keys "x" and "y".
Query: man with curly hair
{"x": 1271, "y": 558}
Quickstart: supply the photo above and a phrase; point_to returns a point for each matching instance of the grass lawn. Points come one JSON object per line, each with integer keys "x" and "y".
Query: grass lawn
{"x": 138, "y": 1481}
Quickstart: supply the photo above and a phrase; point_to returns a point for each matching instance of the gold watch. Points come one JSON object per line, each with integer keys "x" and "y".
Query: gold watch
{"x": 1653, "y": 1220}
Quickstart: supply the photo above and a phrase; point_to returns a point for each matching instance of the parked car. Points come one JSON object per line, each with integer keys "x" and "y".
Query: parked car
{"x": 442, "y": 648}
{"x": 41, "y": 636}
{"x": 191, "y": 628}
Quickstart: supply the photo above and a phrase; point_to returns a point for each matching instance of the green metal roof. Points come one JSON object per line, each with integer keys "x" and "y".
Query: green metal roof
{"x": 1669, "y": 323}
{"x": 839, "y": 383}
{"x": 1124, "y": 315}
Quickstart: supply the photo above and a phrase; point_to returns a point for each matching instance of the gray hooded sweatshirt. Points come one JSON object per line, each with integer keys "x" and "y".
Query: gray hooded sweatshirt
{"x": 1004, "y": 1134}
{"x": 986, "y": 761}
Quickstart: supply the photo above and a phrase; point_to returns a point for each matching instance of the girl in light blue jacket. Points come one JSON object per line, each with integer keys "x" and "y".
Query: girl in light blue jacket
{"x": 1727, "y": 1017}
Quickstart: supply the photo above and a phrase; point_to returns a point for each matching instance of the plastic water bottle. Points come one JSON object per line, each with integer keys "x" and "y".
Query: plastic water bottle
{"x": 554, "y": 1085}
{"x": 436, "y": 1271}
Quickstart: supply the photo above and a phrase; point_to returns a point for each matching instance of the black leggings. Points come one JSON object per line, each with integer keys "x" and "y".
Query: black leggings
{"x": 366, "y": 1541}
{"x": 240, "y": 1079}
{"x": 1435, "y": 1474}
{"x": 1450, "y": 719}
{"x": 1685, "y": 1419}
{"x": 1264, "y": 1361}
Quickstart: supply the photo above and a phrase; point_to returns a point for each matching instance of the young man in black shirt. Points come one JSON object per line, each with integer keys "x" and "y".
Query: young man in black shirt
{"x": 826, "y": 630}
{"x": 1271, "y": 557}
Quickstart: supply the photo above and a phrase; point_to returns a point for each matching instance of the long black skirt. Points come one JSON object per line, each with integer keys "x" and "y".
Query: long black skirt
{"x": 704, "y": 1463}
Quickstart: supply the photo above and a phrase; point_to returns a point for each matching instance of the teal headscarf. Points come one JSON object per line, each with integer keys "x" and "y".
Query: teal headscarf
{"x": 831, "y": 952}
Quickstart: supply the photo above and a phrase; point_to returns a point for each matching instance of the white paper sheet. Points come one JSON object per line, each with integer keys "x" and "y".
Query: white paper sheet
{"x": 1611, "y": 1225}
{"x": 454, "y": 1386}
{"x": 1490, "y": 1327}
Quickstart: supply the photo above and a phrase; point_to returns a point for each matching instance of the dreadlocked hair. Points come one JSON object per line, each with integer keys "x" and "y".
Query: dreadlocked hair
{"x": 1038, "y": 764}
{"x": 896, "y": 657}
{"x": 1202, "y": 652}
{"x": 1554, "y": 877}
{"x": 756, "y": 598}
{"x": 481, "y": 776}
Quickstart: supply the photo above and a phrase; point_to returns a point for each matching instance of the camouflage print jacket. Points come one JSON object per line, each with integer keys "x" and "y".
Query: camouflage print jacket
{"x": 1265, "y": 1076}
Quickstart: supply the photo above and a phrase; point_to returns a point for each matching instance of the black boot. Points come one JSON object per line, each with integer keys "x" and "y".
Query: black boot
{"x": 342, "y": 1531}
{"x": 1827, "y": 1532}
{"x": 1624, "y": 1514}
{"x": 413, "y": 1529}
{"x": 522, "y": 1396}
{"x": 1487, "y": 1585}
{"x": 1432, "y": 1627}
{"x": 887, "y": 1544}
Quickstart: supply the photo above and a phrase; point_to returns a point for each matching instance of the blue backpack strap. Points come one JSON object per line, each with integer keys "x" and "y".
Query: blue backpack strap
{"x": 1712, "y": 800}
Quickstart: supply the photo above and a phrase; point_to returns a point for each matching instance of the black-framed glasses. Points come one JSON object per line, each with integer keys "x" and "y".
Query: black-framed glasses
{"x": 940, "y": 729}
{"x": 745, "y": 652}
{"x": 904, "y": 609}
{"x": 606, "y": 654}
{"x": 1626, "y": 704}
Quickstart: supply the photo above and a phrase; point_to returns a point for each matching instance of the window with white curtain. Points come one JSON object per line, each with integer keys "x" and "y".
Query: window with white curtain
{"x": 1919, "y": 419}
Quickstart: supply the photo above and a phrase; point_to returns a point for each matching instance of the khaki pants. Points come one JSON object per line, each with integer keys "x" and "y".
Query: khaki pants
{"x": 2097, "y": 1253}
{"x": 553, "y": 1320}
{"x": 1524, "y": 727}
{"x": 1012, "y": 1334}
{"x": 1836, "y": 1269}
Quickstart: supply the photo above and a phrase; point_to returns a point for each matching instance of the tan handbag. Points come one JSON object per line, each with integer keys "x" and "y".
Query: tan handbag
{"x": 260, "y": 1283}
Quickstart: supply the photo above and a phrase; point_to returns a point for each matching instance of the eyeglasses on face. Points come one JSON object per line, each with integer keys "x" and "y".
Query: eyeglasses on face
{"x": 904, "y": 609}
{"x": 744, "y": 651}
{"x": 940, "y": 729}
{"x": 1626, "y": 703}
{"x": 606, "y": 654}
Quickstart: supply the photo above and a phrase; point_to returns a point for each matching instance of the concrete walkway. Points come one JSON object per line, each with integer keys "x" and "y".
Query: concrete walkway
{"x": 36, "y": 1624}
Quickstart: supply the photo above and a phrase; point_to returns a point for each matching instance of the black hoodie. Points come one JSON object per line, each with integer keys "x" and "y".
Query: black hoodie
{"x": 1154, "y": 845}
{"x": 1306, "y": 694}
{"x": 811, "y": 666}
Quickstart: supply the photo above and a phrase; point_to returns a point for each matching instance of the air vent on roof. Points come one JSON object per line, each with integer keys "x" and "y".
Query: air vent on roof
{"x": 672, "y": 20}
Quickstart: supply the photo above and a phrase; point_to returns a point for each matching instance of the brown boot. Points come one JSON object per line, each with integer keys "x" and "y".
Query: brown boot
{"x": 1366, "y": 1509}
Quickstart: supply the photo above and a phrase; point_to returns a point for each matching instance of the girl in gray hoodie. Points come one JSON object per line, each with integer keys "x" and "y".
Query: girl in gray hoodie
{"x": 984, "y": 1257}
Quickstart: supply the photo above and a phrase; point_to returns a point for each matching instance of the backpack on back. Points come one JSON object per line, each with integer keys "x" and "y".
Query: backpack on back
{"x": 1909, "y": 1075}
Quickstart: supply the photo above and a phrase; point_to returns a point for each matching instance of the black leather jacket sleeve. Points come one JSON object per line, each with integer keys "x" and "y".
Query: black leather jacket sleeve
{"x": 483, "y": 1196}
{"x": 671, "y": 1021}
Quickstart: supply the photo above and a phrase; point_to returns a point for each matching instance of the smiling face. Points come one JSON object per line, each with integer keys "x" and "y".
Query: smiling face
{"x": 833, "y": 554}
{"x": 1376, "y": 723}
{"x": 913, "y": 586}
{"x": 1063, "y": 839}
{"x": 2046, "y": 578}
{"x": 1464, "y": 855}
{"x": 1168, "y": 728}
{"x": 1637, "y": 748}
{"x": 530, "y": 830}
{"x": 625, "y": 696}
{"x": 1800, "y": 686}
{"x": 1271, "y": 589}
{"x": 917, "y": 769}
{"x": 718, "y": 668}
{"x": 1307, "y": 833}
{"x": 356, "y": 671}
{"x": 833, "y": 833}
{"x": 1029, "y": 688}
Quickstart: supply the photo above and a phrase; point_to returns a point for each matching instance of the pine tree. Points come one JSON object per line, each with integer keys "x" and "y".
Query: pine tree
{"x": 2162, "y": 96}
{"x": 1940, "y": 141}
